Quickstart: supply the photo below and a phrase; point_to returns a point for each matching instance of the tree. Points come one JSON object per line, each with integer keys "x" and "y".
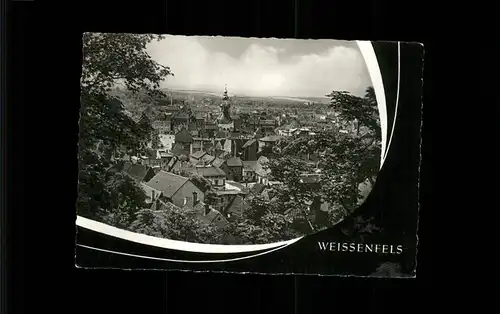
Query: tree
{"x": 361, "y": 109}
{"x": 104, "y": 127}
{"x": 176, "y": 224}
{"x": 345, "y": 161}
{"x": 108, "y": 58}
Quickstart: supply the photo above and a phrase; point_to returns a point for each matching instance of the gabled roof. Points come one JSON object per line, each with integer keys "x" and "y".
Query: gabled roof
{"x": 236, "y": 206}
{"x": 217, "y": 162}
{"x": 271, "y": 138}
{"x": 167, "y": 182}
{"x": 250, "y": 165}
{"x": 136, "y": 171}
{"x": 257, "y": 188}
{"x": 183, "y": 136}
{"x": 234, "y": 162}
{"x": 198, "y": 154}
{"x": 208, "y": 158}
{"x": 212, "y": 217}
{"x": 248, "y": 143}
{"x": 207, "y": 171}
{"x": 181, "y": 116}
{"x": 178, "y": 149}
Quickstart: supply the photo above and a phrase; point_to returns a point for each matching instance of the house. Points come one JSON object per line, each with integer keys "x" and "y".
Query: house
{"x": 215, "y": 175}
{"x": 197, "y": 156}
{"x": 235, "y": 209}
{"x": 207, "y": 159}
{"x": 161, "y": 163}
{"x": 218, "y": 162}
{"x": 178, "y": 190}
{"x": 195, "y": 147}
{"x": 167, "y": 141}
{"x": 233, "y": 167}
{"x": 152, "y": 194}
{"x": 138, "y": 172}
{"x": 249, "y": 167}
{"x": 250, "y": 149}
{"x": 267, "y": 143}
{"x": 179, "y": 150}
{"x": 267, "y": 126}
{"x": 209, "y": 215}
{"x": 261, "y": 172}
{"x": 162, "y": 126}
{"x": 257, "y": 189}
{"x": 184, "y": 138}
{"x": 210, "y": 129}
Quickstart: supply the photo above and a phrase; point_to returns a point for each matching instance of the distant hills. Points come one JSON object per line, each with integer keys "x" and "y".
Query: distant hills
{"x": 321, "y": 100}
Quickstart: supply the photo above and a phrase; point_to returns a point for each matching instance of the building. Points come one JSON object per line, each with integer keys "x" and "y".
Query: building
{"x": 152, "y": 195}
{"x": 138, "y": 172}
{"x": 215, "y": 175}
{"x": 176, "y": 189}
{"x": 249, "y": 167}
{"x": 233, "y": 167}
{"x": 267, "y": 143}
{"x": 167, "y": 141}
{"x": 162, "y": 126}
{"x": 261, "y": 172}
{"x": 250, "y": 149}
{"x": 235, "y": 208}
{"x": 224, "y": 121}
{"x": 196, "y": 156}
{"x": 209, "y": 215}
{"x": 184, "y": 138}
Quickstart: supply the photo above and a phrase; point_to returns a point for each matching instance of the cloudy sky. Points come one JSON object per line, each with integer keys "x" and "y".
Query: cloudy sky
{"x": 262, "y": 67}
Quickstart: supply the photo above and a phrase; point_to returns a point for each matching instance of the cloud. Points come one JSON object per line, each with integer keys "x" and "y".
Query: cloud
{"x": 261, "y": 69}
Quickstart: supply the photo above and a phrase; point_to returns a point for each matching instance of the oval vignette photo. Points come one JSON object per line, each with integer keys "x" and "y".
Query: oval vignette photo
{"x": 260, "y": 155}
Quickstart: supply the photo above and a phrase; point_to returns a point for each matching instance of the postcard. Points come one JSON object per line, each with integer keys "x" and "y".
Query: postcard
{"x": 249, "y": 155}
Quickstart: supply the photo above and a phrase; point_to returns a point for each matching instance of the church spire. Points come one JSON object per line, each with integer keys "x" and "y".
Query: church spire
{"x": 225, "y": 96}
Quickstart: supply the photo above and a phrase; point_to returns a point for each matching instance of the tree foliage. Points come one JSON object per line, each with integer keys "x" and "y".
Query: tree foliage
{"x": 109, "y": 59}
{"x": 176, "y": 224}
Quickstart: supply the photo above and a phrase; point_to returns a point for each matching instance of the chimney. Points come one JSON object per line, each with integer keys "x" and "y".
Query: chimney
{"x": 207, "y": 209}
{"x": 191, "y": 149}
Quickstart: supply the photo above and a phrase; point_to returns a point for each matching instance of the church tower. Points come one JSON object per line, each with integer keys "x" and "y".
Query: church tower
{"x": 224, "y": 118}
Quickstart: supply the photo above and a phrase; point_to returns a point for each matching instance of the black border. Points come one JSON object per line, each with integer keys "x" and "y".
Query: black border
{"x": 377, "y": 21}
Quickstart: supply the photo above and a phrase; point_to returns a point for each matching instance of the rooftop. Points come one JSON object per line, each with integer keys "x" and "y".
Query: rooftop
{"x": 207, "y": 171}
{"x": 183, "y": 136}
{"x": 234, "y": 162}
{"x": 167, "y": 182}
{"x": 271, "y": 138}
